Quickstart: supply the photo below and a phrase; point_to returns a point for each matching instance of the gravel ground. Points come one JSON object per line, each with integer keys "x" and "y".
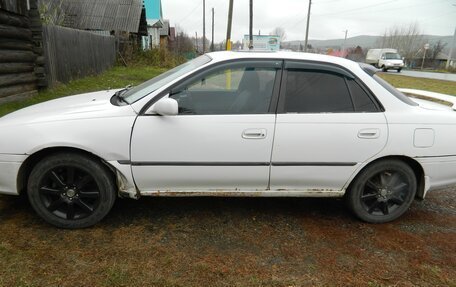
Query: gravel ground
{"x": 232, "y": 242}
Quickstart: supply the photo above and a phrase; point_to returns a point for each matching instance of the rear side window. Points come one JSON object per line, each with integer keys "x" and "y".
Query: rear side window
{"x": 316, "y": 92}
{"x": 361, "y": 99}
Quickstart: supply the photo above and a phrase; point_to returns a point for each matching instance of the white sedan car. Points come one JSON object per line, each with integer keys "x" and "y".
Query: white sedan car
{"x": 232, "y": 124}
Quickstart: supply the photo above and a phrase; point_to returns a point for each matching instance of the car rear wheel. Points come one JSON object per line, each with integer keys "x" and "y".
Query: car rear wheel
{"x": 71, "y": 190}
{"x": 382, "y": 192}
{"x": 399, "y": 70}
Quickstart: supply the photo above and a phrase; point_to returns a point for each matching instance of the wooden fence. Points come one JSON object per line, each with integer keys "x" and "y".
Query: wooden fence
{"x": 71, "y": 53}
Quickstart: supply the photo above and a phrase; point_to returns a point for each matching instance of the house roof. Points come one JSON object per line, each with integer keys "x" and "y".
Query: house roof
{"x": 444, "y": 56}
{"x": 339, "y": 53}
{"x": 117, "y": 15}
{"x": 155, "y": 23}
{"x": 164, "y": 31}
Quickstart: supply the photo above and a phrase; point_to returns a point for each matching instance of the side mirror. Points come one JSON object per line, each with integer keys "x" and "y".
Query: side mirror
{"x": 164, "y": 107}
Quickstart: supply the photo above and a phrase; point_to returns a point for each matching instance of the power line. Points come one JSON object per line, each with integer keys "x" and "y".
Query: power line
{"x": 325, "y": 2}
{"x": 340, "y": 12}
{"x": 344, "y": 15}
{"x": 191, "y": 13}
{"x": 356, "y": 9}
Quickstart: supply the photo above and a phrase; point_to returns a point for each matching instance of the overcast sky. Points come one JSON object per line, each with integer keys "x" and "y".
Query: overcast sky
{"x": 329, "y": 18}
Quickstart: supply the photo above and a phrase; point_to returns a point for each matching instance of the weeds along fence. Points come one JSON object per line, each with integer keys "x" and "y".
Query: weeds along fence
{"x": 72, "y": 54}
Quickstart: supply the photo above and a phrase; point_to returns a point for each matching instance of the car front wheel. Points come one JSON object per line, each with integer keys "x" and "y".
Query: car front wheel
{"x": 71, "y": 190}
{"x": 383, "y": 191}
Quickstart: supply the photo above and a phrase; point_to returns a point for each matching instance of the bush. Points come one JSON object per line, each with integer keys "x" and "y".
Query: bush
{"x": 160, "y": 57}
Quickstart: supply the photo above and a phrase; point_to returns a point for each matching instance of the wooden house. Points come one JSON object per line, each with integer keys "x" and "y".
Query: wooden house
{"x": 21, "y": 60}
{"x": 125, "y": 19}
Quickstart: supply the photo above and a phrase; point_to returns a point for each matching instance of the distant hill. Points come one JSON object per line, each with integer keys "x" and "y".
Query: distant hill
{"x": 364, "y": 41}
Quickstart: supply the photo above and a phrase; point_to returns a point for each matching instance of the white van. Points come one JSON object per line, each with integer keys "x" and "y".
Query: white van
{"x": 386, "y": 59}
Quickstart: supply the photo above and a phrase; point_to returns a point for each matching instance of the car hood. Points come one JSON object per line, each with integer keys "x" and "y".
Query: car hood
{"x": 89, "y": 105}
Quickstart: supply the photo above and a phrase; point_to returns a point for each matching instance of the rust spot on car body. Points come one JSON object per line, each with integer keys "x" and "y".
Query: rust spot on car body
{"x": 247, "y": 193}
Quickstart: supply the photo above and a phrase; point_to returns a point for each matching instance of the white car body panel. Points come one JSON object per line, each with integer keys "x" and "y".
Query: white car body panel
{"x": 91, "y": 123}
{"x": 202, "y": 139}
{"x": 327, "y": 145}
{"x": 87, "y": 122}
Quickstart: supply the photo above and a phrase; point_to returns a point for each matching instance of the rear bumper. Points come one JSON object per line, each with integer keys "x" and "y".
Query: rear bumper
{"x": 9, "y": 168}
{"x": 441, "y": 171}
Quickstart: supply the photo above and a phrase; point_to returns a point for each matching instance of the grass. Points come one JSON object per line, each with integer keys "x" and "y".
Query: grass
{"x": 116, "y": 77}
{"x": 439, "y": 86}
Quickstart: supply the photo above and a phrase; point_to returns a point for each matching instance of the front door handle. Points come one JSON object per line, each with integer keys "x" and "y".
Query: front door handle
{"x": 369, "y": 134}
{"x": 254, "y": 134}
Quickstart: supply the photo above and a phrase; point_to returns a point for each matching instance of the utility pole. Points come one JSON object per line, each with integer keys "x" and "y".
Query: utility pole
{"x": 307, "y": 28}
{"x": 204, "y": 26}
{"x": 251, "y": 26}
{"x": 426, "y": 46}
{"x": 196, "y": 42}
{"x": 228, "y": 30}
{"x": 345, "y": 40}
{"x": 451, "y": 50}
{"x": 212, "y": 40}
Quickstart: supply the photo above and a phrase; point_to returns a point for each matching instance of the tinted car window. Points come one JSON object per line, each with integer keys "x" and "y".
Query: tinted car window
{"x": 316, "y": 92}
{"x": 361, "y": 99}
{"x": 240, "y": 90}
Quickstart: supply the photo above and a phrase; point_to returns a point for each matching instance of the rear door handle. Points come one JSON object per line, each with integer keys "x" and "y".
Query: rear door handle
{"x": 254, "y": 134}
{"x": 369, "y": 134}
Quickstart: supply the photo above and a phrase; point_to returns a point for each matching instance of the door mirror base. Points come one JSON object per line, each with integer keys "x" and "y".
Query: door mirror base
{"x": 164, "y": 107}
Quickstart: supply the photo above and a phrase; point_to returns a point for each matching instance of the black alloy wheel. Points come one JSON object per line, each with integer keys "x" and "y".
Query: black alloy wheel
{"x": 71, "y": 190}
{"x": 383, "y": 191}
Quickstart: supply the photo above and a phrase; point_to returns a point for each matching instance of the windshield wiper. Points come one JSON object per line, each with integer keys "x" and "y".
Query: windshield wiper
{"x": 119, "y": 94}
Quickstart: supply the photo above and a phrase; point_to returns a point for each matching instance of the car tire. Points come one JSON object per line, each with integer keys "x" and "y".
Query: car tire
{"x": 399, "y": 70}
{"x": 71, "y": 190}
{"x": 384, "y": 69}
{"x": 382, "y": 192}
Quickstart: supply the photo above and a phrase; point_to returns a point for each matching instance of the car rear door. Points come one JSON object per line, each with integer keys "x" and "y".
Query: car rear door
{"x": 222, "y": 136}
{"x": 327, "y": 124}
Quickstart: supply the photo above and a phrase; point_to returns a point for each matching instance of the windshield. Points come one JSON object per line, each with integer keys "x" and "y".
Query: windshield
{"x": 394, "y": 91}
{"x": 142, "y": 90}
{"x": 392, "y": 56}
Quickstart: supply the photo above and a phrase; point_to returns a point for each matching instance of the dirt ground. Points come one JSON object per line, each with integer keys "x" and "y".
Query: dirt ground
{"x": 232, "y": 242}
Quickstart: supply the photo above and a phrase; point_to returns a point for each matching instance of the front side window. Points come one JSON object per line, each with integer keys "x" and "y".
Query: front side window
{"x": 241, "y": 89}
{"x": 316, "y": 92}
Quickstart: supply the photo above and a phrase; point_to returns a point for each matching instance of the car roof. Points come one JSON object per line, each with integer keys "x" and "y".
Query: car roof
{"x": 285, "y": 55}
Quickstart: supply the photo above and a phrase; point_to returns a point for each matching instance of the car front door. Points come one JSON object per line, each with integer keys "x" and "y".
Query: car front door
{"x": 222, "y": 136}
{"x": 328, "y": 124}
